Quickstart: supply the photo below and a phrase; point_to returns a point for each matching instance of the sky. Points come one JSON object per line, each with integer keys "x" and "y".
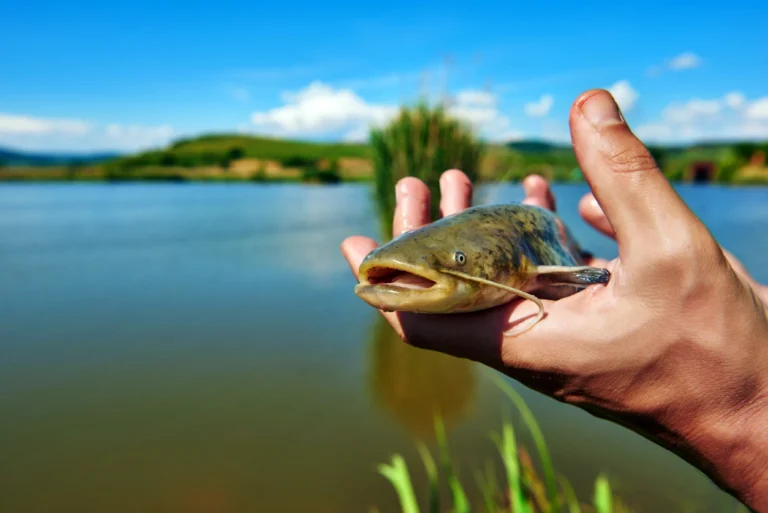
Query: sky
{"x": 126, "y": 76}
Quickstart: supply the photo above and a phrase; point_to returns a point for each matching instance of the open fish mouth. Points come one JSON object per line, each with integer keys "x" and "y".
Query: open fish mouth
{"x": 400, "y": 278}
{"x": 395, "y": 285}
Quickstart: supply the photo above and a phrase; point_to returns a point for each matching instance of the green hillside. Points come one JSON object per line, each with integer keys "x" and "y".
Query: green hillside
{"x": 223, "y": 149}
{"x": 244, "y": 157}
{"x": 266, "y": 147}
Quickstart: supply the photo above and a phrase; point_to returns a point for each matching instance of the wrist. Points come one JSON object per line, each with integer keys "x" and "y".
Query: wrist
{"x": 733, "y": 451}
{"x": 726, "y": 434}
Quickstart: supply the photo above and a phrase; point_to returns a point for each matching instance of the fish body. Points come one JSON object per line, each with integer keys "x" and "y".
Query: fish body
{"x": 476, "y": 259}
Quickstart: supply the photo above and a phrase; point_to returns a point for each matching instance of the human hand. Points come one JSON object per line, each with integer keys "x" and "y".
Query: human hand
{"x": 590, "y": 210}
{"x": 675, "y": 346}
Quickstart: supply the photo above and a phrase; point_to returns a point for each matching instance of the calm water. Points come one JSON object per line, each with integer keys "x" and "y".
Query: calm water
{"x": 198, "y": 348}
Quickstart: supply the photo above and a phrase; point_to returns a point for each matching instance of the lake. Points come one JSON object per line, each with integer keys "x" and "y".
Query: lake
{"x": 199, "y": 348}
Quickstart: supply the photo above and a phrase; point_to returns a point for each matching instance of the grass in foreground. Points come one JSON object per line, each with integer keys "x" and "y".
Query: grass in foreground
{"x": 522, "y": 489}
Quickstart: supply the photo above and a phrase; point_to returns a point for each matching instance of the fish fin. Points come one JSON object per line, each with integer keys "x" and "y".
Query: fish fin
{"x": 581, "y": 276}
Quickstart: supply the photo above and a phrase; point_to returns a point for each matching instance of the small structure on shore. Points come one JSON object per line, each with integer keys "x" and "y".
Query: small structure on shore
{"x": 701, "y": 171}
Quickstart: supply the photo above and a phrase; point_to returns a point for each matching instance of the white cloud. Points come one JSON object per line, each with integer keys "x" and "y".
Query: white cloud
{"x": 539, "y": 108}
{"x": 624, "y": 95}
{"x": 693, "y": 110}
{"x": 320, "y": 109}
{"x": 681, "y": 62}
{"x": 15, "y": 124}
{"x": 685, "y": 60}
{"x": 654, "y": 131}
{"x": 138, "y": 136}
{"x": 480, "y": 111}
{"x": 758, "y": 109}
{"x": 730, "y": 117}
{"x": 556, "y": 131}
{"x": 735, "y": 100}
{"x": 475, "y": 97}
{"x": 51, "y": 134}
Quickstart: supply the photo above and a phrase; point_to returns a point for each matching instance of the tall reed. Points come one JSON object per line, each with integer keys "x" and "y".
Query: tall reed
{"x": 421, "y": 141}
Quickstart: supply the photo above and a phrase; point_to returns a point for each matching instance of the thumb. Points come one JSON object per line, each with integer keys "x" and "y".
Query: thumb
{"x": 640, "y": 204}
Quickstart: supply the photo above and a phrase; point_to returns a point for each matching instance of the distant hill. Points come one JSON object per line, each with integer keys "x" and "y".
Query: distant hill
{"x": 267, "y": 147}
{"x": 10, "y": 157}
{"x": 246, "y": 157}
{"x": 537, "y": 146}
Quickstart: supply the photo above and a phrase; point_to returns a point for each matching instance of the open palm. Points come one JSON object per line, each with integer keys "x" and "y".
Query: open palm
{"x": 449, "y": 333}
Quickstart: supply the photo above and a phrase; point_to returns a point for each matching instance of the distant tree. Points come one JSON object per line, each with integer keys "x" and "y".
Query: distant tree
{"x": 659, "y": 155}
{"x": 209, "y": 158}
{"x": 186, "y": 160}
{"x": 315, "y": 174}
{"x": 168, "y": 159}
{"x": 744, "y": 151}
{"x": 675, "y": 173}
{"x": 235, "y": 153}
{"x": 298, "y": 161}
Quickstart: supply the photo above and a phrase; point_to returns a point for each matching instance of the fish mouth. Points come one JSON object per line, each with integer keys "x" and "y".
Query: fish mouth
{"x": 398, "y": 275}
{"x": 394, "y": 285}
{"x": 398, "y": 278}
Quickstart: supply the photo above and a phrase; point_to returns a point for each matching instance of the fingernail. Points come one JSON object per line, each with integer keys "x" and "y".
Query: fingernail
{"x": 601, "y": 110}
{"x": 593, "y": 203}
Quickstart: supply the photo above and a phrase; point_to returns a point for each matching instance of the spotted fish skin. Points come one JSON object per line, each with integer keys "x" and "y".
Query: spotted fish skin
{"x": 504, "y": 243}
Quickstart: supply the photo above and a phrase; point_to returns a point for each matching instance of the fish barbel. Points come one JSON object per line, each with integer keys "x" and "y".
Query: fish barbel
{"x": 476, "y": 259}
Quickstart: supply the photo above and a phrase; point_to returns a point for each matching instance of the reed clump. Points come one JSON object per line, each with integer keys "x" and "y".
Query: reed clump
{"x": 421, "y": 141}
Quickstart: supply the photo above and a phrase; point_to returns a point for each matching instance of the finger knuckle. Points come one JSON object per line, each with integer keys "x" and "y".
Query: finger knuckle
{"x": 688, "y": 248}
{"x": 688, "y": 265}
{"x": 631, "y": 160}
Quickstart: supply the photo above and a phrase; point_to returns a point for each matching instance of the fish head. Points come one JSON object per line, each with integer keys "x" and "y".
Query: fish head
{"x": 408, "y": 273}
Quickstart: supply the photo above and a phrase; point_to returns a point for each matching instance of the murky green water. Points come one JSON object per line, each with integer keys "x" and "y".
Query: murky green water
{"x": 198, "y": 348}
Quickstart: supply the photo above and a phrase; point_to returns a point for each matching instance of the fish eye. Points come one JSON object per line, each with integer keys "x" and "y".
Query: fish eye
{"x": 460, "y": 258}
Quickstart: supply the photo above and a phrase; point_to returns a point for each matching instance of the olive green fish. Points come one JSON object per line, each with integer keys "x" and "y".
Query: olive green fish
{"x": 481, "y": 257}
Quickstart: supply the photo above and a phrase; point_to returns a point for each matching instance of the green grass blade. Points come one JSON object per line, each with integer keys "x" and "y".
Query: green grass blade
{"x": 397, "y": 474}
{"x": 432, "y": 476}
{"x": 460, "y": 501}
{"x": 570, "y": 496}
{"x": 538, "y": 437}
{"x": 487, "y": 483}
{"x": 508, "y": 451}
{"x": 603, "y": 501}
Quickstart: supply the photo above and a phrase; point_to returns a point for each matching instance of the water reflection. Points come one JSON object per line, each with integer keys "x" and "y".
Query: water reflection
{"x": 414, "y": 385}
{"x": 203, "y": 498}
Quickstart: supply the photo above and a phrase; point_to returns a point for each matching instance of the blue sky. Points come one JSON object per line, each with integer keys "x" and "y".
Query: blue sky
{"x": 87, "y": 76}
